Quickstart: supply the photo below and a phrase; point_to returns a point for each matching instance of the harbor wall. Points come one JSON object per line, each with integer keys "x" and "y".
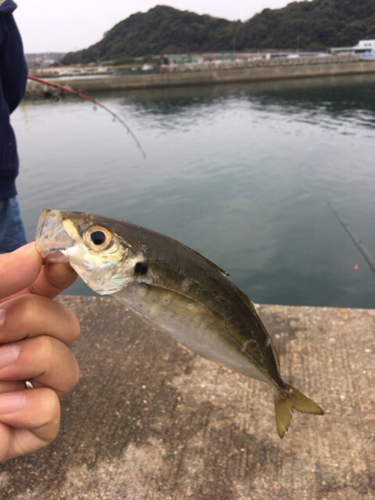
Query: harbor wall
{"x": 212, "y": 76}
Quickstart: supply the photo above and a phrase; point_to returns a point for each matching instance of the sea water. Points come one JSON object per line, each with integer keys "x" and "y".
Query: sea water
{"x": 241, "y": 173}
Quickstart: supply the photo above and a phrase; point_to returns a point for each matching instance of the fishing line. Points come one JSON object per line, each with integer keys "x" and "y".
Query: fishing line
{"x": 358, "y": 243}
{"x": 91, "y": 99}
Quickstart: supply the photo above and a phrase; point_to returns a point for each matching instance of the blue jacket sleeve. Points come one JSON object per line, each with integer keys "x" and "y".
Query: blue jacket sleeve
{"x": 13, "y": 68}
{"x": 13, "y": 77}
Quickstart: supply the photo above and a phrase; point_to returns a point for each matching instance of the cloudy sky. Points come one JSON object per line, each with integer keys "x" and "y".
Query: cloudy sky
{"x": 50, "y": 26}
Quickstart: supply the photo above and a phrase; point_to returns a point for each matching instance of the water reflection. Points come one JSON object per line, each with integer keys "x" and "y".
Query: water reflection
{"x": 338, "y": 97}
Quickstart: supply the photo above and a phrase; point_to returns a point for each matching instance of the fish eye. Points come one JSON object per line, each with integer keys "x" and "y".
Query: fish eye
{"x": 98, "y": 237}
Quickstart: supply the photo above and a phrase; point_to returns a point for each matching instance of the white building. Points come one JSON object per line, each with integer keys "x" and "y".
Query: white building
{"x": 362, "y": 47}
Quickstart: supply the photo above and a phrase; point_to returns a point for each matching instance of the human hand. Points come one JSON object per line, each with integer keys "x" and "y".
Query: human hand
{"x": 35, "y": 332}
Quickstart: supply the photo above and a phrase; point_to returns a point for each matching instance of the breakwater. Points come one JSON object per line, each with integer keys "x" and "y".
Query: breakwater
{"x": 261, "y": 70}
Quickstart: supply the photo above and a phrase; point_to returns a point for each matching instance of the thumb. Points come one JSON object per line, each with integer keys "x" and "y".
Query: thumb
{"x": 19, "y": 269}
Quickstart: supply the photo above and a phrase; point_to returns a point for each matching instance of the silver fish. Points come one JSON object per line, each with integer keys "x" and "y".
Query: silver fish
{"x": 174, "y": 288}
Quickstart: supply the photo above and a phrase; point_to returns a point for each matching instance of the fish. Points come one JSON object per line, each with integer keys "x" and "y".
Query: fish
{"x": 175, "y": 289}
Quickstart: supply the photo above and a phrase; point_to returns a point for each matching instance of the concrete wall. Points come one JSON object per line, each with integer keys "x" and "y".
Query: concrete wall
{"x": 220, "y": 76}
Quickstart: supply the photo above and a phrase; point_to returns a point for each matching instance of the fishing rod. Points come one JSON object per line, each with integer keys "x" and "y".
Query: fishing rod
{"x": 358, "y": 243}
{"x": 91, "y": 99}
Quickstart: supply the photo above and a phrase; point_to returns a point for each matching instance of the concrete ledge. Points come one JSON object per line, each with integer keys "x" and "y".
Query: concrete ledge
{"x": 150, "y": 420}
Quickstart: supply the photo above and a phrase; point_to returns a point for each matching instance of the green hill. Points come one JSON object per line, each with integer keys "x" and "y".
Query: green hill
{"x": 307, "y": 25}
{"x": 161, "y": 30}
{"x": 311, "y": 25}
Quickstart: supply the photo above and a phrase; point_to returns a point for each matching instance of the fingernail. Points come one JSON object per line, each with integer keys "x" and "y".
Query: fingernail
{"x": 10, "y": 403}
{"x": 2, "y": 317}
{"x": 8, "y": 354}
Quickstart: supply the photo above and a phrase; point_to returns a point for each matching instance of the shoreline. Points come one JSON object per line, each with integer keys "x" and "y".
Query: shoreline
{"x": 291, "y": 70}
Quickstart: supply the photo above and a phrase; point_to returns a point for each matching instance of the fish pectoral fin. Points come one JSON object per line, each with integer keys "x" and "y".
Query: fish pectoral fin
{"x": 286, "y": 402}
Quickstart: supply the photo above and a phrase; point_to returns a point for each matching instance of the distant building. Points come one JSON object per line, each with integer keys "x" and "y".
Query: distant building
{"x": 44, "y": 59}
{"x": 363, "y": 47}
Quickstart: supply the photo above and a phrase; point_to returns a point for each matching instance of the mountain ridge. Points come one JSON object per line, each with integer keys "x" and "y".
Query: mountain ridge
{"x": 305, "y": 25}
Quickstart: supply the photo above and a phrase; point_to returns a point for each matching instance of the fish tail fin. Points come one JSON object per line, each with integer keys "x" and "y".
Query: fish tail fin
{"x": 286, "y": 402}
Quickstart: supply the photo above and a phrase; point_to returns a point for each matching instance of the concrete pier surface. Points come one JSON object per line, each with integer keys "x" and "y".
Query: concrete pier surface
{"x": 151, "y": 420}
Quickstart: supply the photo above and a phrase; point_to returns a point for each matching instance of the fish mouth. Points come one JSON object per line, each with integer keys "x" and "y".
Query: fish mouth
{"x": 52, "y": 239}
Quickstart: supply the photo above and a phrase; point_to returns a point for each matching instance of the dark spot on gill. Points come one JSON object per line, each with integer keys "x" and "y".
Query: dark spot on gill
{"x": 140, "y": 268}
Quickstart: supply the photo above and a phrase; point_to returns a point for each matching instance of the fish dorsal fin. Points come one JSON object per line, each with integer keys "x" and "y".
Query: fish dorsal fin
{"x": 209, "y": 262}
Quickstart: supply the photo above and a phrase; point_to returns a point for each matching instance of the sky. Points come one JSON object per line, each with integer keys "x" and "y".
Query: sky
{"x": 50, "y": 26}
